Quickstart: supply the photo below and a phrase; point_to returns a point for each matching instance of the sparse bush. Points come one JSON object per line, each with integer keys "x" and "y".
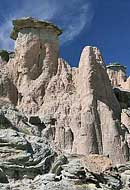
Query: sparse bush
{"x": 4, "y": 55}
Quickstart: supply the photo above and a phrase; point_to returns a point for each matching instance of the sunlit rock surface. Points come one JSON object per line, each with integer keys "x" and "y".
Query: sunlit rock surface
{"x": 60, "y": 127}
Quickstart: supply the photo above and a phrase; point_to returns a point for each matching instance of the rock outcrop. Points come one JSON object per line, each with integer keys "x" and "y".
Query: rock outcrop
{"x": 117, "y": 74}
{"x": 57, "y": 121}
{"x": 35, "y": 60}
{"x": 80, "y": 109}
{"x": 8, "y": 91}
{"x": 100, "y": 108}
{"x": 121, "y": 88}
{"x": 80, "y": 100}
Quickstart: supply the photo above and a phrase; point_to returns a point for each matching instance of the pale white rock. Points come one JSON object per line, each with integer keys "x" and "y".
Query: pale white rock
{"x": 126, "y": 84}
{"x": 85, "y": 108}
{"x": 81, "y": 100}
{"x": 70, "y": 112}
{"x": 35, "y": 61}
{"x": 8, "y": 91}
{"x": 125, "y": 118}
{"x": 100, "y": 108}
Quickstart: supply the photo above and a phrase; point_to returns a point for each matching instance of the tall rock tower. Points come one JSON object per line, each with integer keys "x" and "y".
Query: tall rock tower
{"x": 36, "y": 58}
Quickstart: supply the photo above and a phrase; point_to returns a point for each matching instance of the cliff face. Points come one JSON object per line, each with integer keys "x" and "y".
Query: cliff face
{"x": 81, "y": 100}
{"x": 49, "y": 109}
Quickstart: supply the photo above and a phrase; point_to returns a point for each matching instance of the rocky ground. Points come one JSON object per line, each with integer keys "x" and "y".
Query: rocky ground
{"x": 27, "y": 160}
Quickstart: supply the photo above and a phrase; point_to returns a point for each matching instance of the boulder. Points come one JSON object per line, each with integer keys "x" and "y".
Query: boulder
{"x": 57, "y": 165}
{"x": 97, "y": 163}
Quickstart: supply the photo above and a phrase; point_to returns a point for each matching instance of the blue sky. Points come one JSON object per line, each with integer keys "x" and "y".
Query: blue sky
{"x": 101, "y": 23}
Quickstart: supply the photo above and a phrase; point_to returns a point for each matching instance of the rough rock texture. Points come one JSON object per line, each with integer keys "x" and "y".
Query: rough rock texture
{"x": 85, "y": 115}
{"x": 8, "y": 91}
{"x": 100, "y": 108}
{"x": 125, "y": 117}
{"x": 35, "y": 61}
{"x": 117, "y": 74}
{"x": 22, "y": 152}
{"x": 26, "y": 159}
{"x": 60, "y": 127}
{"x": 96, "y": 163}
{"x": 80, "y": 109}
{"x": 29, "y": 22}
{"x": 118, "y": 77}
{"x": 122, "y": 91}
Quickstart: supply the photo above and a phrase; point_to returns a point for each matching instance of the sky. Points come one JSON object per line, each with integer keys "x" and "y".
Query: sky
{"x": 101, "y": 23}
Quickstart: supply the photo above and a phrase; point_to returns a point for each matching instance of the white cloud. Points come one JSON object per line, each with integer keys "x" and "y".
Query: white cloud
{"x": 77, "y": 21}
{"x": 72, "y": 17}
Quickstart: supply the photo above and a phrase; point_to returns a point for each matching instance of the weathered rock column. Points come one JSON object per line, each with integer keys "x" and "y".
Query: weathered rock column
{"x": 100, "y": 114}
{"x": 36, "y": 57}
{"x": 36, "y": 47}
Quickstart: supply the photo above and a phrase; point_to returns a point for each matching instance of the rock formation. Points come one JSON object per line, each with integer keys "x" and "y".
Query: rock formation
{"x": 122, "y": 91}
{"x": 117, "y": 74}
{"x": 100, "y": 108}
{"x": 59, "y": 119}
{"x": 8, "y": 91}
{"x": 35, "y": 60}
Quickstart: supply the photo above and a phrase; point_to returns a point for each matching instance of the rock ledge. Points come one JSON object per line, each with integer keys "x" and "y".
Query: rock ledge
{"x": 29, "y": 22}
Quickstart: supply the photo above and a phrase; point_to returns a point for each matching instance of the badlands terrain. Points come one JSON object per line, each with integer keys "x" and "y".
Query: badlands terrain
{"x": 61, "y": 128}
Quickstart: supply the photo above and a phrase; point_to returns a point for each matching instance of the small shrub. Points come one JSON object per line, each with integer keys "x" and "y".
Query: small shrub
{"x": 4, "y": 55}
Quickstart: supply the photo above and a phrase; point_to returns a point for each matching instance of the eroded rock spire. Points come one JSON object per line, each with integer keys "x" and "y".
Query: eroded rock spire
{"x": 35, "y": 60}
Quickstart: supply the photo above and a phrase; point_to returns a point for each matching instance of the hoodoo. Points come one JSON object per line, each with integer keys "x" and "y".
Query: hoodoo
{"x": 117, "y": 74}
{"x": 35, "y": 60}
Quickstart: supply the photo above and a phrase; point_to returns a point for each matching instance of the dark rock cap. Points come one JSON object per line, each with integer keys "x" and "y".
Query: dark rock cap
{"x": 117, "y": 65}
{"x": 29, "y": 22}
